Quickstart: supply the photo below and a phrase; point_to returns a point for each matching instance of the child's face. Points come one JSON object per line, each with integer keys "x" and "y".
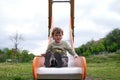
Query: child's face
{"x": 57, "y": 37}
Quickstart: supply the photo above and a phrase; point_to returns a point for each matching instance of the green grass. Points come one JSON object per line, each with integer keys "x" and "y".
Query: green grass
{"x": 104, "y": 67}
{"x": 20, "y": 71}
{"x": 101, "y": 67}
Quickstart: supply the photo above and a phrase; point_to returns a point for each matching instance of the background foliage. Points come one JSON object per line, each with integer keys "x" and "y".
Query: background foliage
{"x": 20, "y": 56}
{"x": 110, "y": 43}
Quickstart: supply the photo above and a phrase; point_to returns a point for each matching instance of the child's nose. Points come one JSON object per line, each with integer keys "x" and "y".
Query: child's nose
{"x": 57, "y": 36}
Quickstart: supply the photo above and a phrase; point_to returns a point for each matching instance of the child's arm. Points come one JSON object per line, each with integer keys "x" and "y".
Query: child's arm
{"x": 49, "y": 48}
{"x": 69, "y": 49}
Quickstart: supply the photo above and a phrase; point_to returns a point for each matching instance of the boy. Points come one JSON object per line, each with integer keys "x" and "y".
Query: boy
{"x": 56, "y": 55}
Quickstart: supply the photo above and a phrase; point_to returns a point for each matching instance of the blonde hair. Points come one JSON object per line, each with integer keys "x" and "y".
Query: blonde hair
{"x": 57, "y": 30}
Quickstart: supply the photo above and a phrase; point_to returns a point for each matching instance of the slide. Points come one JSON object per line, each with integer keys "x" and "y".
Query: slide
{"x": 76, "y": 67}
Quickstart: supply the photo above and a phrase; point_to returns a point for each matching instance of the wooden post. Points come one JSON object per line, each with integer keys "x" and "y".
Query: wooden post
{"x": 49, "y": 16}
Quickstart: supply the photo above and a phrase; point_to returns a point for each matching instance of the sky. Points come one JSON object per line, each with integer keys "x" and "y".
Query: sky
{"x": 93, "y": 20}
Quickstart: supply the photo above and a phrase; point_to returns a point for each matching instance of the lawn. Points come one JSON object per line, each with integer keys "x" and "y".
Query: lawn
{"x": 20, "y": 71}
{"x": 103, "y": 67}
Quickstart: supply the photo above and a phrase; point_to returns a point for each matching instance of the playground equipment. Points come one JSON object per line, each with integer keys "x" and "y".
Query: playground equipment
{"x": 76, "y": 67}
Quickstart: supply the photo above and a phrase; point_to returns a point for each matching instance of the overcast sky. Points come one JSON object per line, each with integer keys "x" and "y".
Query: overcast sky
{"x": 93, "y": 20}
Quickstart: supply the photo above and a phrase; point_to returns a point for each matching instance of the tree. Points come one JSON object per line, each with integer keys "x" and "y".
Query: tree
{"x": 31, "y": 56}
{"x": 25, "y": 56}
{"x": 110, "y": 43}
{"x": 112, "y": 40}
{"x": 2, "y": 56}
{"x": 16, "y": 39}
{"x": 7, "y": 52}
